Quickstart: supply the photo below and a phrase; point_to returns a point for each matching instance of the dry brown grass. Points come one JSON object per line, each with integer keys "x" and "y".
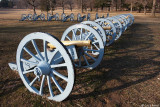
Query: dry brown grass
{"x": 129, "y": 74}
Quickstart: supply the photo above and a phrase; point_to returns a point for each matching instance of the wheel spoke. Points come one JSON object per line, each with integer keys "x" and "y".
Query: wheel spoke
{"x": 30, "y": 62}
{"x": 53, "y": 54}
{"x": 50, "y": 86}
{"x": 60, "y": 75}
{"x": 90, "y": 56}
{"x": 31, "y": 54}
{"x": 34, "y": 80}
{"x": 58, "y": 65}
{"x": 86, "y": 60}
{"x": 37, "y": 50}
{"x": 74, "y": 35}
{"x": 42, "y": 83}
{"x": 45, "y": 50}
{"x": 68, "y": 38}
{"x": 29, "y": 71}
{"x": 81, "y": 32}
{"x": 95, "y": 42}
{"x": 96, "y": 46}
{"x": 56, "y": 83}
{"x": 90, "y": 33}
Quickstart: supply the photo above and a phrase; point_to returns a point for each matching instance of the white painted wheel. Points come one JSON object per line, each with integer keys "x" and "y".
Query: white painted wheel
{"x": 30, "y": 17}
{"x": 79, "y": 17}
{"x": 71, "y": 17}
{"x": 63, "y": 16}
{"x": 42, "y": 16}
{"x": 110, "y": 34}
{"x": 84, "y": 32}
{"x": 48, "y": 73}
{"x": 124, "y": 27}
{"x": 125, "y": 20}
{"x": 57, "y": 17}
{"x": 131, "y": 18}
{"x": 98, "y": 28}
{"x": 117, "y": 25}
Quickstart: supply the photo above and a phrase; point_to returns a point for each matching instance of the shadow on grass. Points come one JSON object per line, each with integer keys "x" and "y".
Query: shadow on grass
{"x": 10, "y": 86}
{"x": 131, "y": 62}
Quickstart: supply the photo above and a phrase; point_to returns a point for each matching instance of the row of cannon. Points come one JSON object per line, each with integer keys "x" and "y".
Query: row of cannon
{"x": 56, "y": 17}
{"x": 46, "y": 64}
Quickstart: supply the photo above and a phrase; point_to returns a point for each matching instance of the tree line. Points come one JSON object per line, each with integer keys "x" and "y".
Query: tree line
{"x": 85, "y": 5}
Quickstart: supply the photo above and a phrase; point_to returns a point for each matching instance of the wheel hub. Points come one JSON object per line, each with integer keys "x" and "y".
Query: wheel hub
{"x": 43, "y": 68}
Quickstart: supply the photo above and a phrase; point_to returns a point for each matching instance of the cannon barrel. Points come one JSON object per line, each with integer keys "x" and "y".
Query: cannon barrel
{"x": 69, "y": 43}
{"x": 105, "y": 28}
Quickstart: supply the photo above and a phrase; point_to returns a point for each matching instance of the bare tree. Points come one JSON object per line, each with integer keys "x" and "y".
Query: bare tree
{"x": 70, "y": 3}
{"x": 61, "y": 3}
{"x": 154, "y": 8}
{"x": 115, "y": 3}
{"x": 53, "y": 4}
{"x": 45, "y": 5}
{"x": 82, "y": 6}
{"x": 22, "y": 4}
{"x": 33, "y": 3}
{"x": 131, "y": 6}
{"x": 91, "y": 4}
{"x": 131, "y": 2}
{"x": 144, "y": 3}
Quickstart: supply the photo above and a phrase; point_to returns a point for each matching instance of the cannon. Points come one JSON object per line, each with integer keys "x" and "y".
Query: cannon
{"x": 109, "y": 28}
{"x": 130, "y": 18}
{"x": 81, "y": 18}
{"x": 97, "y": 17}
{"x": 46, "y": 64}
{"x": 65, "y": 18}
{"x": 26, "y": 17}
{"x": 126, "y": 20}
{"x": 35, "y": 17}
{"x": 50, "y": 17}
{"x": 115, "y": 26}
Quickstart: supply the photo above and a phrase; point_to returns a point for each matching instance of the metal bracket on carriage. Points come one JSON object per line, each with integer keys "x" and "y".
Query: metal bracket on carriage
{"x": 13, "y": 66}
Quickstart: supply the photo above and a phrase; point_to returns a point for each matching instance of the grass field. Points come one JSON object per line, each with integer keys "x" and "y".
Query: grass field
{"x": 129, "y": 74}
